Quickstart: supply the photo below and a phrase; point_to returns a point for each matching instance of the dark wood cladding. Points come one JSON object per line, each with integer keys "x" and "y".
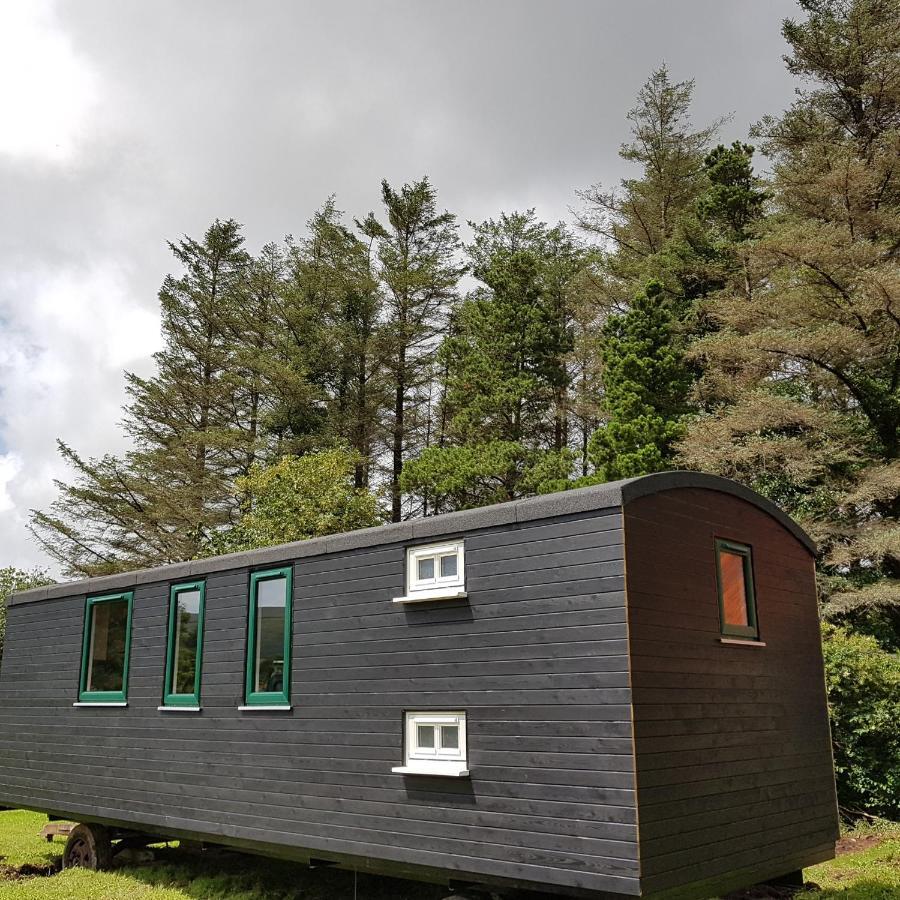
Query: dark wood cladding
{"x": 537, "y": 657}
{"x": 732, "y": 747}
{"x": 616, "y": 745}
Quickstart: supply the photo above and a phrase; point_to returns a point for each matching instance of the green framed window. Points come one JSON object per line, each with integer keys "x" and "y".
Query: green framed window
{"x": 184, "y": 649}
{"x": 737, "y": 594}
{"x": 268, "y": 681}
{"x": 106, "y": 647}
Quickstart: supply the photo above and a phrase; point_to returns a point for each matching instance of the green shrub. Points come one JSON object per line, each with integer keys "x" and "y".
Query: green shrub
{"x": 864, "y": 700}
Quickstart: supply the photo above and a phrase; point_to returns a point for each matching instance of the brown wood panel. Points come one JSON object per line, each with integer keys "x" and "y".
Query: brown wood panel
{"x": 732, "y": 749}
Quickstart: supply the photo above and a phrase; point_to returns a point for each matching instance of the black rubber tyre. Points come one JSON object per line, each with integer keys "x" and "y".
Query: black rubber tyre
{"x": 88, "y": 847}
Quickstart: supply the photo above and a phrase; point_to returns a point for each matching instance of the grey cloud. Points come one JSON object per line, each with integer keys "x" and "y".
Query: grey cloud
{"x": 260, "y": 111}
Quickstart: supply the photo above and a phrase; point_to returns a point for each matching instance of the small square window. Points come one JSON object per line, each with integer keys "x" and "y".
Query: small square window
{"x": 435, "y": 744}
{"x": 737, "y": 597}
{"x": 434, "y": 572}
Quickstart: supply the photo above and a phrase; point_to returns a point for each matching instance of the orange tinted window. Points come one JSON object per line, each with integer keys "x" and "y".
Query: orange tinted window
{"x": 734, "y": 588}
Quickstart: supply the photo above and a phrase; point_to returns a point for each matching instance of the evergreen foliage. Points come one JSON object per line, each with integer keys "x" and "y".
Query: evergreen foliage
{"x": 802, "y": 372}
{"x": 504, "y": 418}
{"x": 418, "y": 270}
{"x": 635, "y": 221}
{"x": 190, "y": 426}
{"x": 645, "y": 384}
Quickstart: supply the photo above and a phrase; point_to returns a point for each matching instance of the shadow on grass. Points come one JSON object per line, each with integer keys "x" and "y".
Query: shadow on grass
{"x": 226, "y": 874}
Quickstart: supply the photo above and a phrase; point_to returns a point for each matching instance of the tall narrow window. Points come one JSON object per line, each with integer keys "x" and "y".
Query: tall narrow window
{"x": 737, "y": 598}
{"x": 105, "y": 649}
{"x": 269, "y": 639}
{"x": 184, "y": 655}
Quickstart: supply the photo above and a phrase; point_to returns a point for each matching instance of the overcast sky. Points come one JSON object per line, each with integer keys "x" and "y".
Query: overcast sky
{"x": 127, "y": 124}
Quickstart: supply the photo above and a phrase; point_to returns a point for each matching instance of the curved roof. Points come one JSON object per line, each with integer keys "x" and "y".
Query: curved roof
{"x": 633, "y": 488}
{"x": 598, "y": 496}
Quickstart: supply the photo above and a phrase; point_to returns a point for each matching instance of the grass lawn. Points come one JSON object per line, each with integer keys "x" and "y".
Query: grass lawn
{"x": 870, "y": 871}
{"x": 867, "y": 869}
{"x": 176, "y": 875}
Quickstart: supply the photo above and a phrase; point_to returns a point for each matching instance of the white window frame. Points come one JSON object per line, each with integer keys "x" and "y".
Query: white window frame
{"x": 436, "y": 588}
{"x": 450, "y": 761}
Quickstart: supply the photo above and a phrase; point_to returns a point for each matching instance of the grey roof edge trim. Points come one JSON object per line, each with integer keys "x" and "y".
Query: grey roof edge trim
{"x": 579, "y": 500}
{"x": 666, "y": 481}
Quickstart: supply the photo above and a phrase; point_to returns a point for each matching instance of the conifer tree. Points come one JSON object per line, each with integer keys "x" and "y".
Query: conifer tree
{"x": 418, "y": 271}
{"x": 328, "y": 345}
{"x": 645, "y": 383}
{"x": 507, "y": 369}
{"x": 811, "y": 340}
{"x": 634, "y": 222}
{"x": 189, "y": 424}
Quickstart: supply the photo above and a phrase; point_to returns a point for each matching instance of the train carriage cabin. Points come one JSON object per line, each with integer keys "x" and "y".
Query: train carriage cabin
{"x": 612, "y": 691}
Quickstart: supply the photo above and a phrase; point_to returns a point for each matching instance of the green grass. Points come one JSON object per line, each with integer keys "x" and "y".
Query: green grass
{"x": 176, "y": 875}
{"x": 871, "y": 874}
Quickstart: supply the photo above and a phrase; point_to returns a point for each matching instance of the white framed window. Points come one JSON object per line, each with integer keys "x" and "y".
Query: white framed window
{"x": 435, "y": 744}
{"x": 435, "y": 572}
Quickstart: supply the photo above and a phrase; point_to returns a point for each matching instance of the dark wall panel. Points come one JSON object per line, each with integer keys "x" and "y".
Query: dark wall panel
{"x": 537, "y": 657}
{"x": 734, "y": 770}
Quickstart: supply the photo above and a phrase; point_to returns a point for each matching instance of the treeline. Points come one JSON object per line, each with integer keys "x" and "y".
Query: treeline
{"x": 696, "y": 315}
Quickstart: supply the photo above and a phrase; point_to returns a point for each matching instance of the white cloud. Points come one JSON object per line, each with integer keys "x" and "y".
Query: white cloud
{"x": 10, "y": 466}
{"x": 68, "y": 337}
{"x": 46, "y": 90}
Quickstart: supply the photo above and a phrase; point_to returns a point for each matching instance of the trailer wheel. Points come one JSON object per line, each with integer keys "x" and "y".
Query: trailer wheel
{"x": 88, "y": 847}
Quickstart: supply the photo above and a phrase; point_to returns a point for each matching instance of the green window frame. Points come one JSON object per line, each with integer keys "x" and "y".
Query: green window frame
{"x": 171, "y": 697}
{"x": 731, "y": 629}
{"x": 91, "y": 607}
{"x": 253, "y": 696}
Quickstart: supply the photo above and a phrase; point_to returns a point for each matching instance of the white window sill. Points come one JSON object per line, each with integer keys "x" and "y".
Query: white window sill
{"x": 424, "y": 596}
{"x": 182, "y": 709}
{"x": 265, "y": 708}
{"x": 450, "y": 770}
{"x": 119, "y": 705}
{"x": 741, "y": 642}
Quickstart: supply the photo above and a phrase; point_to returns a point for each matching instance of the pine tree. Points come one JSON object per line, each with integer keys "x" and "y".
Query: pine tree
{"x": 707, "y": 251}
{"x": 189, "y": 424}
{"x": 418, "y": 271}
{"x": 659, "y": 247}
{"x": 645, "y": 382}
{"x": 187, "y": 420}
{"x": 325, "y": 365}
{"x": 507, "y": 369}
{"x": 634, "y": 222}
{"x": 811, "y": 340}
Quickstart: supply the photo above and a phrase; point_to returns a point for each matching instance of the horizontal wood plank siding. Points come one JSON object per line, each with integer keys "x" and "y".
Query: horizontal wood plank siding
{"x": 537, "y": 656}
{"x": 734, "y": 770}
